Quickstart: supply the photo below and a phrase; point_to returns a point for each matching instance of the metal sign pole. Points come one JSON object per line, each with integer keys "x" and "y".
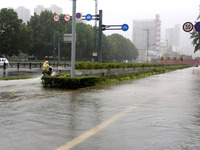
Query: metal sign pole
{"x": 73, "y": 49}
{"x": 95, "y": 28}
{"x": 100, "y": 37}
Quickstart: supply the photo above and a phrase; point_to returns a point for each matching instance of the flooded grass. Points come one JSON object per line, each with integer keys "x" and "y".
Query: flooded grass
{"x": 17, "y": 78}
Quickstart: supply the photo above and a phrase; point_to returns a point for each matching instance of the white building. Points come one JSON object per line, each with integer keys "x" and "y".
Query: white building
{"x": 39, "y": 9}
{"x": 23, "y": 13}
{"x": 172, "y": 35}
{"x": 53, "y": 8}
{"x": 146, "y": 35}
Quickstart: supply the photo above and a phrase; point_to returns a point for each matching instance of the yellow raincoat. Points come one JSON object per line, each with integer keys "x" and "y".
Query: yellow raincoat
{"x": 46, "y": 67}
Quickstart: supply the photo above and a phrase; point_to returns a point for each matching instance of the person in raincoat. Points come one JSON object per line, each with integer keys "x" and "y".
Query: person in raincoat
{"x": 46, "y": 68}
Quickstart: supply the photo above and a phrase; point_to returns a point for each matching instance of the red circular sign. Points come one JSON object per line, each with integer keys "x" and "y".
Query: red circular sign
{"x": 187, "y": 27}
{"x": 56, "y": 18}
{"x": 67, "y": 18}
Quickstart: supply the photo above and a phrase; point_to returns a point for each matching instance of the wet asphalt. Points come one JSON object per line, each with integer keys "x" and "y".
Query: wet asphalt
{"x": 161, "y": 112}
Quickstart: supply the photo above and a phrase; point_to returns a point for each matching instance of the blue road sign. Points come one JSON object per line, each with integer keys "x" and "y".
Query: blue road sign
{"x": 88, "y": 17}
{"x": 197, "y": 26}
{"x": 124, "y": 27}
{"x": 78, "y": 15}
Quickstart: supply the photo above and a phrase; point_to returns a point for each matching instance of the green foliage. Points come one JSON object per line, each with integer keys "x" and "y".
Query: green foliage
{"x": 63, "y": 81}
{"x": 122, "y": 48}
{"x": 90, "y": 65}
{"x": 15, "y": 37}
{"x": 43, "y": 33}
{"x": 195, "y": 35}
{"x": 70, "y": 83}
{"x": 40, "y": 38}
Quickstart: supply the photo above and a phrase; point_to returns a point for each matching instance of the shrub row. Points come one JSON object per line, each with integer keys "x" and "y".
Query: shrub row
{"x": 71, "y": 83}
{"x": 64, "y": 81}
{"x": 92, "y": 65}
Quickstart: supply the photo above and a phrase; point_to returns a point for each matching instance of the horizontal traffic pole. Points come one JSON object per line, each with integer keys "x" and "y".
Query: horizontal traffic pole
{"x": 113, "y": 29}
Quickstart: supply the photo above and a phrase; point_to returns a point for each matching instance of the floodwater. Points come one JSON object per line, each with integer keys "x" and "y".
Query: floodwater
{"x": 13, "y": 72}
{"x": 163, "y": 114}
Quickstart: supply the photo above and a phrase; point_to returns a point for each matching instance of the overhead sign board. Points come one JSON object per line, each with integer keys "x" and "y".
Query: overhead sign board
{"x": 67, "y": 38}
{"x": 56, "y": 18}
{"x": 67, "y": 17}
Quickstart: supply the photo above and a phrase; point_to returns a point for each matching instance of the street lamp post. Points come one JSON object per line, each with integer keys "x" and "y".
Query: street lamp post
{"x": 73, "y": 49}
{"x": 147, "y": 42}
{"x": 95, "y": 28}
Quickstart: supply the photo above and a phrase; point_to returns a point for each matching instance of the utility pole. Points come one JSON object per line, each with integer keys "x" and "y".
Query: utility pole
{"x": 59, "y": 45}
{"x": 100, "y": 37}
{"x": 95, "y": 28}
{"x": 54, "y": 43}
{"x": 73, "y": 49}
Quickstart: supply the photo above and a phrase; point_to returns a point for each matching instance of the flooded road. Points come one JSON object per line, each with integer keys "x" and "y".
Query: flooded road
{"x": 14, "y": 72}
{"x": 153, "y": 113}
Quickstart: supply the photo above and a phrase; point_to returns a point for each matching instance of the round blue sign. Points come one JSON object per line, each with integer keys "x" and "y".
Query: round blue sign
{"x": 197, "y": 26}
{"x": 78, "y": 15}
{"x": 88, "y": 17}
{"x": 125, "y": 27}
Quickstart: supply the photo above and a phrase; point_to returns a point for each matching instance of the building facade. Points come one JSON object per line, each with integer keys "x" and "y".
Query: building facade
{"x": 172, "y": 35}
{"x": 146, "y": 37}
{"x": 39, "y": 9}
{"x": 23, "y": 13}
{"x": 53, "y": 8}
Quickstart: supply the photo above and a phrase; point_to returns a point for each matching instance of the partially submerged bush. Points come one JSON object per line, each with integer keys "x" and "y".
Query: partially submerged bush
{"x": 70, "y": 83}
{"x": 64, "y": 81}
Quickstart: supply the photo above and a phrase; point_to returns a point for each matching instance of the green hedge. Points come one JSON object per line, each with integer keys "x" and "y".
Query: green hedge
{"x": 92, "y": 65}
{"x": 71, "y": 83}
{"x": 64, "y": 81}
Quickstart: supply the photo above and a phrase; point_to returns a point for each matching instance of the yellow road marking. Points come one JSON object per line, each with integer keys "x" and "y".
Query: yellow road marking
{"x": 96, "y": 129}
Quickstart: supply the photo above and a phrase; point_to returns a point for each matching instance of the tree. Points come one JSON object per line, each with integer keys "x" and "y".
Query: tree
{"x": 195, "y": 35}
{"x": 122, "y": 48}
{"x": 14, "y": 35}
{"x": 84, "y": 42}
{"x": 43, "y": 34}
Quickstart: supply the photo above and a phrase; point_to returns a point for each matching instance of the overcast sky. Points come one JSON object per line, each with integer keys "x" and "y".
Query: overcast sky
{"x": 124, "y": 11}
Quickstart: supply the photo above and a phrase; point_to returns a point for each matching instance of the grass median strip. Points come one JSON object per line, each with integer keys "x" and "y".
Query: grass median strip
{"x": 64, "y": 81}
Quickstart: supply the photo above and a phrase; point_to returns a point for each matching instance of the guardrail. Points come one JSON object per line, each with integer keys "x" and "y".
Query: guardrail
{"x": 31, "y": 65}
